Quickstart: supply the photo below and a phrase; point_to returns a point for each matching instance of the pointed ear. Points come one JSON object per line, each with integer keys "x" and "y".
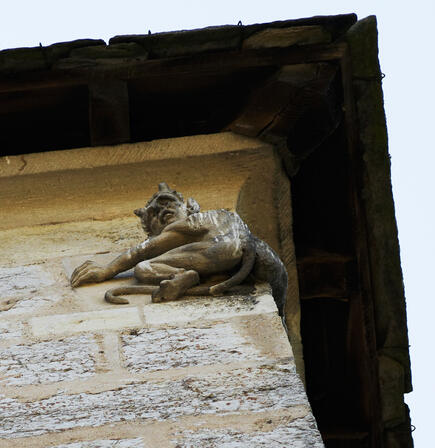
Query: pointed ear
{"x": 141, "y": 212}
{"x": 192, "y": 206}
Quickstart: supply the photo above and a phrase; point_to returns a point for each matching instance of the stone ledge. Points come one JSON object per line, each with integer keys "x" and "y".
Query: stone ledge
{"x": 167, "y": 314}
{"x": 91, "y": 321}
{"x": 207, "y": 308}
{"x": 94, "y": 157}
{"x": 34, "y": 244}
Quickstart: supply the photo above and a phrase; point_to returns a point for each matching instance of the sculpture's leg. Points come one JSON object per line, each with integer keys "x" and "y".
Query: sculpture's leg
{"x": 178, "y": 269}
{"x": 171, "y": 289}
{"x": 152, "y": 272}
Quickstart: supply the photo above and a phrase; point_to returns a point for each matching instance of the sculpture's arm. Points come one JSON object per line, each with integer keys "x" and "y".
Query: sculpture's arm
{"x": 90, "y": 272}
{"x": 150, "y": 248}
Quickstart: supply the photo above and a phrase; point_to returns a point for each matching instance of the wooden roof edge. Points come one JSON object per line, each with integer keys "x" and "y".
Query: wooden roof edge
{"x": 389, "y": 304}
{"x": 161, "y": 45}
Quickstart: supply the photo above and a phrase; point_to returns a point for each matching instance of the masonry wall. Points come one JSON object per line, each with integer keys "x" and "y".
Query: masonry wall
{"x": 76, "y": 371}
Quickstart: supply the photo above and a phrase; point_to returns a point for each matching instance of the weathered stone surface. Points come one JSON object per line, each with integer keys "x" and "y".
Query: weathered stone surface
{"x": 63, "y": 49}
{"x": 22, "y": 60}
{"x": 29, "y": 304}
{"x": 298, "y": 433}
{"x": 35, "y": 244}
{"x": 24, "y": 289}
{"x": 124, "y": 50}
{"x": 190, "y": 310}
{"x": 181, "y": 43}
{"x": 121, "y": 171}
{"x": 335, "y": 25}
{"x": 110, "y": 180}
{"x": 228, "y": 37}
{"x": 23, "y": 280}
{"x": 102, "y": 55}
{"x": 168, "y": 44}
{"x": 45, "y": 362}
{"x": 38, "y": 58}
{"x": 164, "y": 349}
{"x": 134, "y": 153}
{"x": 109, "y": 319}
{"x": 262, "y": 389}
{"x": 148, "y": 370}
{"x": 10, "y": 329}
{"x": 137, "y": 442}
{"x": 286, "y": 37}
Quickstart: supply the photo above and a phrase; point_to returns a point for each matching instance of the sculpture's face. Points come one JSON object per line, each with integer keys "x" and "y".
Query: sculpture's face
{"x": 165, "y": 209}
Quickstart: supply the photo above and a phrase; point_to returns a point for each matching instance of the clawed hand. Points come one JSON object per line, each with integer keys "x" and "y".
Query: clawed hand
{"x": 88, "y": 272}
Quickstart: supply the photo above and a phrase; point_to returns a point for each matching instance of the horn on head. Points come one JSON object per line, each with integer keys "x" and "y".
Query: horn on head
{"x": 163, "y": 186}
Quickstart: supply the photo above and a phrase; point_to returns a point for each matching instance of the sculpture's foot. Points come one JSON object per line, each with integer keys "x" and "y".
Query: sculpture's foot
{"x": 174, "y": 288}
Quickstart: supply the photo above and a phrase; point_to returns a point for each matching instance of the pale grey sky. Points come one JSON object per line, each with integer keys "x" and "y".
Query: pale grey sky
{"x": 406, "y": 54}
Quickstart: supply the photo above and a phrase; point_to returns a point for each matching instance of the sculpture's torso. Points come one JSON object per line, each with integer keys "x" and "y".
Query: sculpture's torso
{"x": 220, "y": 225}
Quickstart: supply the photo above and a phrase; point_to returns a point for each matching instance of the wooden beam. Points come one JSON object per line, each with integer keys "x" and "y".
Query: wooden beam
{"x": 171, "y": 68}
{"x": 109, "y": 119}
{"x": 296, "y": 109}
{"x": 361, "y": 332}
{"x": 325, "y": 277}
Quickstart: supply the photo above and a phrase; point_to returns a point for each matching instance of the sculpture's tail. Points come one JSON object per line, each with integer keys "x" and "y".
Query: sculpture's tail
{"x": 248, "y": 260}
{"x": 112, "y": 295}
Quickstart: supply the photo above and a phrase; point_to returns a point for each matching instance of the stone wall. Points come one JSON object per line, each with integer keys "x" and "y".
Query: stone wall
{"x": 76, "y": 371}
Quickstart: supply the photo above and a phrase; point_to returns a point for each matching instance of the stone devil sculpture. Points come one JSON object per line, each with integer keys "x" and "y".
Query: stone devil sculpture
{"x": 185, "y": 246}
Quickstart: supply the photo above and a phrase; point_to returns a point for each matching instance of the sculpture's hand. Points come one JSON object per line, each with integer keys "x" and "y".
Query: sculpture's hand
{"x": 89, "y": 272}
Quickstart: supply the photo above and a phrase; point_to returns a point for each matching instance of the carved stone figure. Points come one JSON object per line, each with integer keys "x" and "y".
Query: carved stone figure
{"x": 184, "y": 247}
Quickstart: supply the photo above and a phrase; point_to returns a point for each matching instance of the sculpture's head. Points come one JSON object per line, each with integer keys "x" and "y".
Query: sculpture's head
{"x": 165, "y": 207}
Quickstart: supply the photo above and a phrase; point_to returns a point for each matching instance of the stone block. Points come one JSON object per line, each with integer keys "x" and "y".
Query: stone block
{"x": 183, "y": 43}
{"x": 300, "y": 432}
{"x": 102, "y": 55}
{"x": 23, "y": 280}
{"x": 203, "y": 309}
{"x": 266, "y": 388}
{"x": 123, "y": 50}
{"x": 63, "y": 49}
{"x": 22, "y": 60}
{"x": 109, "y": 319}
{"x": 10, "y": 329}
{"x": 26, "y": 288}
{"x": 137, "y": 442}
{"x": 247, "y": 339}
{"x": 18, "y": 60}
{"x": 286, "y": 37}
{"x": 47, "y": 362}
{"x": 34, "y": 244}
